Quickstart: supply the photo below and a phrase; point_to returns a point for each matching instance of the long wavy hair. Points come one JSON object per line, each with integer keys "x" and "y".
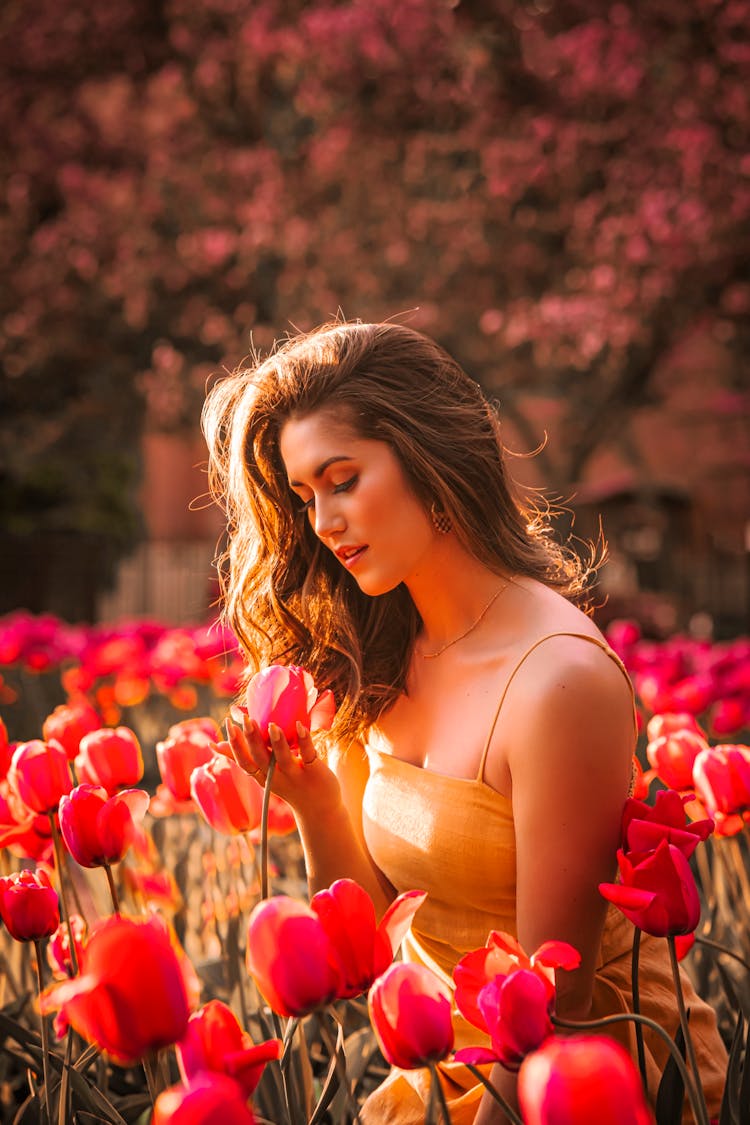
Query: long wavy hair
{"x": 285, "y": 595}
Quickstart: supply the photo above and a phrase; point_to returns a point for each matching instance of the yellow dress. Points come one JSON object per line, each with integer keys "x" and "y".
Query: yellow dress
{"x": 455, "y": 839}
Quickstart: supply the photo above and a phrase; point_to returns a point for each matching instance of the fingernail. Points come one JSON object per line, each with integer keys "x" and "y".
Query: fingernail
{"x": 274, "y": 732}
{"x": 301, "y": 731}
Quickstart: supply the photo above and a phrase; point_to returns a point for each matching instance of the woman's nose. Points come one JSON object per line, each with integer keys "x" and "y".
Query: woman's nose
{"x": 329, "y": 519}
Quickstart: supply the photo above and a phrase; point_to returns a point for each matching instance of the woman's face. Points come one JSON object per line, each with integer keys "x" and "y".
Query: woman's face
{"x": 358, "y": 500}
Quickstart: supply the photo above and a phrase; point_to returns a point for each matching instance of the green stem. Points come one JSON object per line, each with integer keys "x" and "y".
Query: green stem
{"x": 339, "y": 1061}
{"x": 45, "y": 1035}
{"x": 507, "y": 1109}
{"x": 264, "y": 829}
{"x": 437, "y": 1095}
{"x": 59, "y": 864}
{"x": 689, "y": 1048}
{"x": 112, "y": 888}
{"x": 637, "y": 1007}
{"x": 286, "y": 1061}
{"x": 628, "y": 1017}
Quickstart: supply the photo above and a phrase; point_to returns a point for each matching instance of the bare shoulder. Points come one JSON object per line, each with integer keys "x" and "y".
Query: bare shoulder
{"x": 570, "y": 704}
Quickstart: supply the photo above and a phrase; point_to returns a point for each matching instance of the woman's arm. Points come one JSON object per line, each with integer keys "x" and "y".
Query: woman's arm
{"x": 326, "y": 798}
{"x": 571, "y": 718}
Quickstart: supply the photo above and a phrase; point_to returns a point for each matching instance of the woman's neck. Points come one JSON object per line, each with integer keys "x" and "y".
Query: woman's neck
{"x": 453, "y": 593}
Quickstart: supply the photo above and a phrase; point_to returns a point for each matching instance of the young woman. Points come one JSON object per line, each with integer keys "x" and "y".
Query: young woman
{"x": 483, "y": 743}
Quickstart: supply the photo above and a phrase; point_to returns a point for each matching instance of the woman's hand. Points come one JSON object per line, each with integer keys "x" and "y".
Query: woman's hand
{"x": 303, "y": 780}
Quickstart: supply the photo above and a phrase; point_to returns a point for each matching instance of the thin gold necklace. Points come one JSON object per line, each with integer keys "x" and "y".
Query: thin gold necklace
{"x": 472, "y": 627}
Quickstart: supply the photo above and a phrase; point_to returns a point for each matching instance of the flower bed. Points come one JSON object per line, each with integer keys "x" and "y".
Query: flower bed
{"x": 154, "y": 894}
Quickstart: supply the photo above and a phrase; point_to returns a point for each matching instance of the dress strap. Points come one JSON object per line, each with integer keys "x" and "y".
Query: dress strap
{"x": 584, "y": 637}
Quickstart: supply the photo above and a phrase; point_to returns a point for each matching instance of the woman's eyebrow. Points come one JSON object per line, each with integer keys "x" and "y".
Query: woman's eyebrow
{"x": 318, "y": 473}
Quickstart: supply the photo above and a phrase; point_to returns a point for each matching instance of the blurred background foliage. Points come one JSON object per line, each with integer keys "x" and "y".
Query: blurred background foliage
{"x": 558, "y": 192}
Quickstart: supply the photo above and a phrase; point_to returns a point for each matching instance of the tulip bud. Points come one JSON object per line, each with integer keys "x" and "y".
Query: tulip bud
{"x": 28, "y": 905}
{"x": 110, "y": 758}
{"x": 410, "y": 1010}
{"x": 69, "y": 722}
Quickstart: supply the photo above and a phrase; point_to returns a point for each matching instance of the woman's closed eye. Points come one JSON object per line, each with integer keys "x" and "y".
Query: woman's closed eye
{"x": 345, "y": 486}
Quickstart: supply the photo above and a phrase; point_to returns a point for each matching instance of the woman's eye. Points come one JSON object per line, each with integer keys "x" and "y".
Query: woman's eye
{"x": 347, "y": 485}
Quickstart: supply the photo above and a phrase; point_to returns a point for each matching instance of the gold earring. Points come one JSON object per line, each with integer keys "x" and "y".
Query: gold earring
{"x": 441, "y": 521}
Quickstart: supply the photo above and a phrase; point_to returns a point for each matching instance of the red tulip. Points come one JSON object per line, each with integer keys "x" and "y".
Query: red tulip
{"x": 131, "y": 997}
{"x": 230, "y": 800}
{"x": 69, "y": 722}
{"x": 28, "y": 905}
{"x": 97, "y": 829}
{"x": 364, "y": 949}
{"x": 503, "y": 956}
{"x": 284, "y": 695}
{"x": 110, "y": 758}
{"x": 204, "y": 724}
{"x": 672, "y": 722}
{"x": 23, "y": 832}
{"x": 280, "y": 820}
{"x": 215, "y": 1042}
{"x": 410, "y": 1011}
{"x": 178, "y": 757}
{"x": 210, "y": 1099}
{"x": 516, "y": 1010}
{"x": 657, "y": 892}
{"x": 671, "y": 756}
{"x": 58, "y": 946}
{"x": 728, "y": 716}
{"x": 40, "y": 775}
{"x": 291, "y": 957}
{"x": 644, "y": 826}
{"x": 6, "y": 750}
{"x": 583, "y": 1080}
{"x": 722, "y": 779}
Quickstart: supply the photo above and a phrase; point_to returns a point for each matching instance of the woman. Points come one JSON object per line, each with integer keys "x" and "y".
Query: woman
{"x": 483, "y": 743}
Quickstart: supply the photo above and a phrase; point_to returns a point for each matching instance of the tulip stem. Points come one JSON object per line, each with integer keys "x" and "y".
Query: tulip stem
{"x": 507, "y": 1109}
{"x": 287, "y": 1066}
{"x": 689, "y": 1048}
{"x": 59, "y": 864}
{"x": 264, "y": 829}
{"x": 45, "y": 1035}
{"x": 637, "y": 1007}
{"x": 336, "y": 1052}
{"x": 112, "y": 888}
{"x": 625, "y": 1017}
{"x": 150, "y": 1069}
{"x": 437, "y": 1097}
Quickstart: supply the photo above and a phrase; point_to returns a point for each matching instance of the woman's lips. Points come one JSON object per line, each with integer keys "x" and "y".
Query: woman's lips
{"x": 349, "y": 556}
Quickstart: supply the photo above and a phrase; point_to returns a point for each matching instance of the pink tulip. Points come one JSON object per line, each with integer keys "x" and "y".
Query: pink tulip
{"x": 230, "y": 800}
{"x": 40, "y": 775}
{"x": 28, "y": 905}
{"x": 215, "y": 1042}
{"x": 728, "y": 716}
{"x": 364, "y": 949}
{"x": 410, "y": 1011}
{"x": 722, "y": 779}
{"x": 285, "y": 695}
{"x": 291, "y": 957}
{"x": 110, "y": 758}
{"x": 503, "y": 956}
{"x": 583, "y": 1080}
{"x": 98, "y": 829}
{"x": 516, "y": 1012}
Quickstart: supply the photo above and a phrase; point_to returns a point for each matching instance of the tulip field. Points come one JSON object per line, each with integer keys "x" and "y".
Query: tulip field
{"x": 160, "y": 959}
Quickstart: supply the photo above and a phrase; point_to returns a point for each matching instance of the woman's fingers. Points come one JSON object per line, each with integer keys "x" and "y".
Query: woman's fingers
{"x": 307, "y": 752}
{"x": 247, "y": 747}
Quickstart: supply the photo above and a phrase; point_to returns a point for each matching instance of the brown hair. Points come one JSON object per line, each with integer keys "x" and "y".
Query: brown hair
{"x": 286, "y": 596}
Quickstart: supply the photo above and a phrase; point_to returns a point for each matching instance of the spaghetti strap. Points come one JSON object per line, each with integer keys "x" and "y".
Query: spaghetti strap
{"x": 584, "y": 637}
